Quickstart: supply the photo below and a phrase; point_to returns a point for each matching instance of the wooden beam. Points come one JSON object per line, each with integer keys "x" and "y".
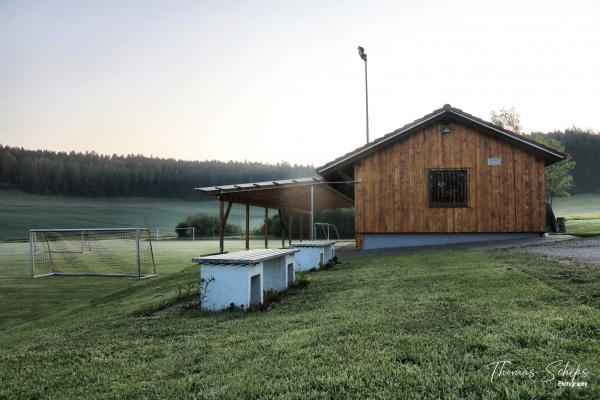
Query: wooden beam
{"x": 247, "y": 226}
{"x": 223, "y": 215}
{"x": 266, "y": 228}
{"x": 229, "y": 204}
{"x": 264, "y": 203}
{"x": 221, "y": 226}
{"x": 282, "y": 228}
{"x": 290, "y": 228}
{"x": 301, "y": 223}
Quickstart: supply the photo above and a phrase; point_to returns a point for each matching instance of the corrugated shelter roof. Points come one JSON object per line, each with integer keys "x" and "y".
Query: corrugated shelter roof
{"x": 447, "y": 112}
{"x": 248, "y": 257}
{"x": 314, "y": 243}
{"x": 288, "y": 194}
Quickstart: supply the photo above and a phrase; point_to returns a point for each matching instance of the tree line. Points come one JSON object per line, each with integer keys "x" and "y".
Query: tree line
{"x": 93, "y": 174}
{"x": 342, "y": 218}
{"x": 583, "y": 146}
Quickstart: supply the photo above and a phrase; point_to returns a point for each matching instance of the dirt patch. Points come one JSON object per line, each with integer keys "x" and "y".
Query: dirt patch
{"x": 176, "y": 308}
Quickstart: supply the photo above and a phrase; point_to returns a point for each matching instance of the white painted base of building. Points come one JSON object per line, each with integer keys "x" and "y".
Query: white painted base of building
{"x": 312, "y": 254}
{"x": 392, "y": 240}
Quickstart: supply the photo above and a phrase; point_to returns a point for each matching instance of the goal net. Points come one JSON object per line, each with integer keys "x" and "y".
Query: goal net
{"x": 104, "y": 252}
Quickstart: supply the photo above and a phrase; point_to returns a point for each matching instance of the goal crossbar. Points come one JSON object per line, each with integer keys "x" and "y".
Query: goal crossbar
{"x": 88, "y": 230}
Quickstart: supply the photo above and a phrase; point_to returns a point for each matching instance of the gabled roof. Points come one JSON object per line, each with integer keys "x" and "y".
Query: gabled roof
{"x": 447, "y": 112}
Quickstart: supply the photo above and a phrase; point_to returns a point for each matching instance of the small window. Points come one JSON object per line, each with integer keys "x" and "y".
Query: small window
{"x": 448, "y": 187}
{"x": 446, "y": 128}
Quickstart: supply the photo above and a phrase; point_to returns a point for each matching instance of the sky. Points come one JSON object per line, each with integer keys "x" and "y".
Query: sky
{"x": 282, "y": 80}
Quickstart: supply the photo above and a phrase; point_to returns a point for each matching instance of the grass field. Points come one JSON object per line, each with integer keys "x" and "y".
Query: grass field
{"x": 21, "y": 211}
{"x": 415, "y": 326}
{"x": 580, "y": 206}
{"x": 582, "y": 212}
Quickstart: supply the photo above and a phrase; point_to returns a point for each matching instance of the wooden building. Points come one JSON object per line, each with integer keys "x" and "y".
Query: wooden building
{"x": 445, "y": 178}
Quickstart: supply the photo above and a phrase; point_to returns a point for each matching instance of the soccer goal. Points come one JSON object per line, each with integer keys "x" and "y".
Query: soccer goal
{"x": 103, "y": 252}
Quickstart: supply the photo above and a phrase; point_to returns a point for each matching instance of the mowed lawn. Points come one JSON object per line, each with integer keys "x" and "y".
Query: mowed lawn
{"x": 21, "y": 211}
{"x": 582, "y": 212}
{"x": 419, "y": 326}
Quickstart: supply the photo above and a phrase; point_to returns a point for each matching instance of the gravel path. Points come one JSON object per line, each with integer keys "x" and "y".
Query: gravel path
{"x": 586, "y": 250}
{"x": 570, "y": 247}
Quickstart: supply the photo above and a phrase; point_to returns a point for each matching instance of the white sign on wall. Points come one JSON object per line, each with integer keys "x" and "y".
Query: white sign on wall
{"x": 494, "y": 161}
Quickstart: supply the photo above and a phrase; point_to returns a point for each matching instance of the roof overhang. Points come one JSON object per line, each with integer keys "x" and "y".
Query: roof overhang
{"x": 549, "y": 154}
{"x": 288, "y": 194}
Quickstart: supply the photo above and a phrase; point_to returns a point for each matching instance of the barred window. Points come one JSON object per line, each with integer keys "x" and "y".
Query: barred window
{"x": 448, "y": 187}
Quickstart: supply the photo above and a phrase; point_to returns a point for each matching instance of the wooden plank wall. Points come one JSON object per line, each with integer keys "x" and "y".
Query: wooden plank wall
{"x": 393, "y": 197}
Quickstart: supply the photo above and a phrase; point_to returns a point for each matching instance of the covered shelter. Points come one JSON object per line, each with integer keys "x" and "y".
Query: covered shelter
{"x": 301, "y": 196}
{"x": 447, "y": 177}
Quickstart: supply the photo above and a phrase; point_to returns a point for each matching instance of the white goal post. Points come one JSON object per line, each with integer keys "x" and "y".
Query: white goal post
{"x": 123, "y": 252}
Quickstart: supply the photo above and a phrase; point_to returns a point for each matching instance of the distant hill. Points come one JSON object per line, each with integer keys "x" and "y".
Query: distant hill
{"x": 92, "y": 174}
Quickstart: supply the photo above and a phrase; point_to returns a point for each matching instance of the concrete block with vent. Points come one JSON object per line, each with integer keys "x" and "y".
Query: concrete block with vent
{"x": 240, "y": 278}
{"x": 313, "y": 253}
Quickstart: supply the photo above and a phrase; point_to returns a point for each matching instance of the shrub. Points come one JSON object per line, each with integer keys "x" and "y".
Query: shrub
{"x": 205, "y": 225}
{"x": 342, "y": 218}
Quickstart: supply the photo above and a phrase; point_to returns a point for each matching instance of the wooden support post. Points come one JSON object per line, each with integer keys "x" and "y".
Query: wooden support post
{"x": 221, "y": 225}
{"x": 290, "y": 230}
{"x": 266, "y": 229}
{"x": 301, "y": 224}
{"x": 223, "y": 222}
{"x": 282, "y": 228}
{"x": 247, "y": 226}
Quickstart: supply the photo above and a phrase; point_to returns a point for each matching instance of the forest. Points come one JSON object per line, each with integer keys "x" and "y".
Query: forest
{"x": 584, "y": 148}
{"x": 92, "y": 174}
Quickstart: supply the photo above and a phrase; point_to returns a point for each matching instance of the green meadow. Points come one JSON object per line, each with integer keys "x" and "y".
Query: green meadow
{"x": 21, "y": 211}
{"x": 419, "y": 326}
{"x": 582, "y": 212}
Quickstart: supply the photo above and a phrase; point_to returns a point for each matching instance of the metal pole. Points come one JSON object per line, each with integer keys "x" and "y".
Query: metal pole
{"x": 247, "y": 226}
{"x": 137, "y": 251}
{"x": 266, "y": 228}
{"x": 31, "y": 253}
{"x": 49, "y": 252}
{"x": 367, "y": 99}
{"x": 193, "y": 233}
{"x": 312, "y": 212}
{"x": 156, "y": 233}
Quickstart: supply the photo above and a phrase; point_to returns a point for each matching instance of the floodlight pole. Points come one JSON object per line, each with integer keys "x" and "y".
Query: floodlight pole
{"x": 312, "y": 212}
{"x": 363, "y": 55}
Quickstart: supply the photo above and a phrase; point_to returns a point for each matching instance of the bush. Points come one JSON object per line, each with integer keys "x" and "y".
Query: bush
{"x": 342, "y": 218}
{"x": 205, "y": 225}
